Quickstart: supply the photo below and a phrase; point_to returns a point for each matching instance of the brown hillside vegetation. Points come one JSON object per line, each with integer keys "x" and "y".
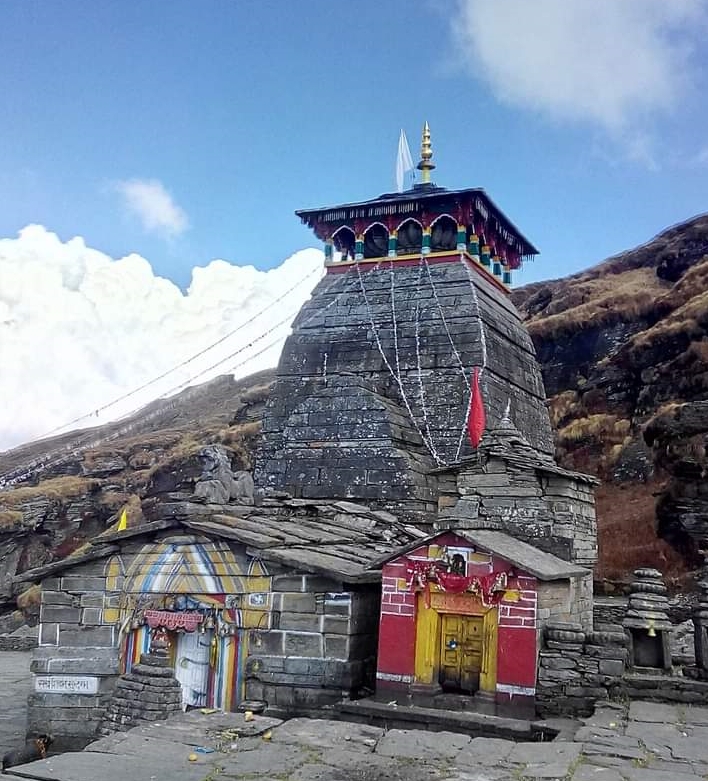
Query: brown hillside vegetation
{"x": 619, "y": 343}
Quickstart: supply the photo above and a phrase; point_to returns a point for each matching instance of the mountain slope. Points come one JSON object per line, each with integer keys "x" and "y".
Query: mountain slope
{"x": 620, "y": 344}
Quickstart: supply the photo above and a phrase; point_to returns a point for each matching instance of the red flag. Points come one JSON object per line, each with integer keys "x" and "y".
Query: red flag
{"x": 476, "y": 420}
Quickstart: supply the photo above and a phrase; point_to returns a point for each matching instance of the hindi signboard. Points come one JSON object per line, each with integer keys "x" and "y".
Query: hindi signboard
{"x": 66, "y": 684}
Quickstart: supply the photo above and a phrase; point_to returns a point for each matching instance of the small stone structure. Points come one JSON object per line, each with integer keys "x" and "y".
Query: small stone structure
{"x": 272, "y": 602}
{"x": 514, "y": 487}
{"x": 149, "y": 692}
{"x": 577, "y": 668}
{"x": 700, "y": 622}
{"x": 461, "y": 612}
{"x": 647, "y": 622}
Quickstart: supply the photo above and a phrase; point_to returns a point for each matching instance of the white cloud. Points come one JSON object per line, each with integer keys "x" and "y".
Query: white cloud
{"x": 613, "y": 63}
{"x": 78, "y": 329}
{"x": 153, "y": 205}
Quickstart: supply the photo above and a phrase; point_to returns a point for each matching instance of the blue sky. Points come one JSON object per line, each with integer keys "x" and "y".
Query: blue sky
{"x": 234, "y": 114}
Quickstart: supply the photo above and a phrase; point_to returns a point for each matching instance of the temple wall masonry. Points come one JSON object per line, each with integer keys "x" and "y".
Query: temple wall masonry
{"x": 539, "y": 504}
{"x": 314, "y": 644}
{"x": 566, "y": 602}
{"x": 373, "y": 384}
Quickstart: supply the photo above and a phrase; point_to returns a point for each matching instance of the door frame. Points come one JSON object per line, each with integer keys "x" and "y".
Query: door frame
{"x": 428, "y": 640}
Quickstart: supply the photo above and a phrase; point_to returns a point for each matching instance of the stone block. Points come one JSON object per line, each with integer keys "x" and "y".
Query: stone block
{"x": 317, "y": 583}
{"x": 336, "y": 646}
{"x": 87, "y": 637}
{"x": 57, "y": 598}
{"x": 267, "y": 642}
{"x": 303, "y": 622}
{"x": 75, "y": 661}
{"x": 77, "y": 584}
{"x": 298, "y": 603}
{"x": 303, "y": 644}
{"x": 92, "y": 600}
{"x": 48, "y": 634}
{"x": 336, "y": 625}
{"x": 611, "y": 667}
{"x": 288, "y": 583}
{"x": 92, "y": 616}
{"x": 63, "y": 614}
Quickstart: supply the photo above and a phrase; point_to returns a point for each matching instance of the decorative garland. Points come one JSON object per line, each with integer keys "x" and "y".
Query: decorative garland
{"x": 420, "y": 574}
{"x": 483, "y": 344}
{"x": 426, "y": 441}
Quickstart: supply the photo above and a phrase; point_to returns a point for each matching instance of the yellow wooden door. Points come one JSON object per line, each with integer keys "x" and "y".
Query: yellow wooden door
{"x": 461, "y": 652}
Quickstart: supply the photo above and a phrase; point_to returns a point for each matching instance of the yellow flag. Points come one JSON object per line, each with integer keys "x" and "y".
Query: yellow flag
{"x": 123, "y": 522}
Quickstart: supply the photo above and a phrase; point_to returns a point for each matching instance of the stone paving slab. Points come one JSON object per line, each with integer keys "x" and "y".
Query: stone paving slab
{"x": 91, "y": 766}
{"x": 326, "y": 734}
{"x": 423, "y": 746}
{"x": 595, "y": 773}
{"x": 609, "y": 746}
{"x": 656, "y": 712}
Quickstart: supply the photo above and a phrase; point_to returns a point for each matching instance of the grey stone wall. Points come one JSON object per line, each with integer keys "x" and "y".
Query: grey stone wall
{"x": 576, "y": 669}
{"x": 566, "y": 601}
{"x": 73, "y": 640}
{"x": 18, "y": 642}
{"x": 552, "y": 511}
{"x": 320, "y": 648}
{"x": 394, "y": 332}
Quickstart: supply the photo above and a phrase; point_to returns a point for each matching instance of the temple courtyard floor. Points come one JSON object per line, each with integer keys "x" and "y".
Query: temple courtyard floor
{"x": 638, "y": 741}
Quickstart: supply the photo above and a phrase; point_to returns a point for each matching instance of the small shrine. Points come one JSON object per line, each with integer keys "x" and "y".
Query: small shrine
{"x": 461, "y": 611}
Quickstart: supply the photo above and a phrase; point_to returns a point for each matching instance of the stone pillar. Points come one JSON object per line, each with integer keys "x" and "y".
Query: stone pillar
{"x": 486, "y": 257}
{"x": 425, "y": 249}
{"x": 473, "y": 246}
{"x": 647, "y": 621}
{"x": 149, "y": 692}
{"x": 461, "y": 237}
{"x": 506, "y": 273}
{"x": 392, "y": 243}
{"x": 497, "y": 267}
{"x": 700, "y": 622}
{"x": 359, "y": 247}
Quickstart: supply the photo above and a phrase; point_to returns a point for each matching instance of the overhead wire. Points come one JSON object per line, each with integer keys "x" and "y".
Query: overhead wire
{"x": 134, "y": 391}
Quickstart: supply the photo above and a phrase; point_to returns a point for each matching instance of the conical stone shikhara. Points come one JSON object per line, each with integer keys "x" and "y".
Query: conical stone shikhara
{"x": 373, "y": 385}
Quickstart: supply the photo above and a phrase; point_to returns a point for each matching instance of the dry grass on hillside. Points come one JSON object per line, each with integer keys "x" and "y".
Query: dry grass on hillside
{"x": 627, "y": 536}
{"x": 604, "y": 300}
{"x": 10, "y": 519}
{"x": 56, "y": 489}
{"x": 606, "y": 434}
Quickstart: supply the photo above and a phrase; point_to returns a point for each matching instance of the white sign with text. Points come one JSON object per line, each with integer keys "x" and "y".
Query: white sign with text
{"x": 66, "y": 684}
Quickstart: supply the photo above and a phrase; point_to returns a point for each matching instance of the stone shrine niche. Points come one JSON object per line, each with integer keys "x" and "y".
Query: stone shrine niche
{"x": 410, "y": 238}
{"x": 647, "y": 622}
{"x": 376, "y": 241}
{"x": 444, "y": 234}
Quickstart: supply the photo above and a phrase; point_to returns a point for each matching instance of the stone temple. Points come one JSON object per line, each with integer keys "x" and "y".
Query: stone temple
{"x": 409, "y": 534}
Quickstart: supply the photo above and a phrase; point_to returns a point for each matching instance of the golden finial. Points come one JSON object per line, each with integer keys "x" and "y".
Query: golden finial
{"x": 426, "y": 164}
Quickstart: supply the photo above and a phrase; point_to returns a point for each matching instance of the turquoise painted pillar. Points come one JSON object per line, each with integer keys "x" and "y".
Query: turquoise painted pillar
{"x": 392, "y": 244}
{"x": 426, "y": 241}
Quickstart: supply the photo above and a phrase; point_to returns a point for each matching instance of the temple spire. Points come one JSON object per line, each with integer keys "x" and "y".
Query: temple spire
{"x": 426, "y": 163}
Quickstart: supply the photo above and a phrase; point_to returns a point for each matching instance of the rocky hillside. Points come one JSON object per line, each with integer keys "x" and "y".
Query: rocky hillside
{"x": 624, "y": 353}
{"x": 70, "y": 488}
